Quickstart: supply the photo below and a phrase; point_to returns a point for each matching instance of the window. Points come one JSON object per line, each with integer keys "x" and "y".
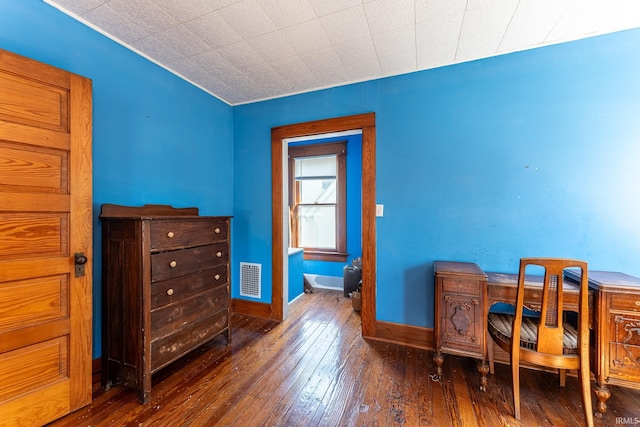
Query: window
{"x": 317, "y": 200}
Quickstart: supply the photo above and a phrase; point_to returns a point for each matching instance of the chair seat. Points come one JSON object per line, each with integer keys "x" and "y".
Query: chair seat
{"x": 499, "y": 325}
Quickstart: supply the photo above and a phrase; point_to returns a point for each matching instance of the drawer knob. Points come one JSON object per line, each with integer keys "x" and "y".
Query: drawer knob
{"x": 169, "y": 291}
{"x": 217, "y": 230}
{"x": 170, "y": 234}
{"x": 219, "y": 254}
{"x": 638, "y": 303}
{"x": 217, "y": 277}
{"x": 173, "y": 264}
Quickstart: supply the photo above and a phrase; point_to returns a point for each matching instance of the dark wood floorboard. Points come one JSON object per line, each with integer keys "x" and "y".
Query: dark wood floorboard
{"x": 315, "y": 369}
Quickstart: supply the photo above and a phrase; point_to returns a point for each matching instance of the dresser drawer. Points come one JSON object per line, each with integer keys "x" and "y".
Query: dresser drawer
{"x": 169, "y": 348}
{"x": 169, "y": 319}
{"x": 168, "y": 234}
{"x": 626, "y": 302}
{"x": 166, "y": 265}
{"x": 168, "y": 291}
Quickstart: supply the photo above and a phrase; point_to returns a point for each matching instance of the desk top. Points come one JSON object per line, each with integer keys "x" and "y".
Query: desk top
{"x": 607, "y": 280}
{"x": 457, "y": 269}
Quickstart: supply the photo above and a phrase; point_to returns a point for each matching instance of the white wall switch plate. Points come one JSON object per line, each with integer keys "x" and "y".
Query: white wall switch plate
{"x": 379, "y": 210}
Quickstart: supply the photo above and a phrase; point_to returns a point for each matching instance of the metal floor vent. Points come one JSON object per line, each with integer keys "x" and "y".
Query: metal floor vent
{"x": 250, "y": 279}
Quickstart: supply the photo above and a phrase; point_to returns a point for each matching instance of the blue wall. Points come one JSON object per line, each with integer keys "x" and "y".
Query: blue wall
{"x": 532, "y": 153}
{"x": 528, "y": 154}
{"x": 156, "y": 138}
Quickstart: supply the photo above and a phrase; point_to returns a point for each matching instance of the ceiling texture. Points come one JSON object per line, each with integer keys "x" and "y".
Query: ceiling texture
{"x": 243, "y": 51}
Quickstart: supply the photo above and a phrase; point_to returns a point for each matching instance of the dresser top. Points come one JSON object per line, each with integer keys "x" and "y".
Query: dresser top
{"x": 149, "y": 212}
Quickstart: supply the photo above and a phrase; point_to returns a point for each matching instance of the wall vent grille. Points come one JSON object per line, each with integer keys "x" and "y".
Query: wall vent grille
{"x": 250, "y": 279}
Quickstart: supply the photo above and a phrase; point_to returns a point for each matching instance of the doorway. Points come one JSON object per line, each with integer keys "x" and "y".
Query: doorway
{"x": 279, "y": 136}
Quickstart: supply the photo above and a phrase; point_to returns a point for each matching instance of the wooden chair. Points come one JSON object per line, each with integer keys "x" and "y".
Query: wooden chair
{"x": 546, "y": 340}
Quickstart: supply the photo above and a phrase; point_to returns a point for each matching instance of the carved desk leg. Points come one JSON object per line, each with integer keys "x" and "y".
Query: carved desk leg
{"x": 483, "y": 368}
{"x": 438, "y": 358}
{"x": 603, "y": 393}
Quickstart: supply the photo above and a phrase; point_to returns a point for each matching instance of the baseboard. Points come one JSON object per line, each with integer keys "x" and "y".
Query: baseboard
{"x": 96, "y": 370}
{"x": 251, "y": 308}
{"x": 411, "y": 336}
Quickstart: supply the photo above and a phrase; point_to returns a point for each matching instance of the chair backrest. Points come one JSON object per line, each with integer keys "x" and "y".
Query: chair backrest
{"x": 550, "y": 333}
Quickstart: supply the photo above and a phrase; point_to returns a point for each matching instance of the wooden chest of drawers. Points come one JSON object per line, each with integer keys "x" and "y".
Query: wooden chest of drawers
{"x": 165, "y": 289}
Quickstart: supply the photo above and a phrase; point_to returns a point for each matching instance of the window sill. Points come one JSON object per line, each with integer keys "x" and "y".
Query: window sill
{"x": 325, "y": 255}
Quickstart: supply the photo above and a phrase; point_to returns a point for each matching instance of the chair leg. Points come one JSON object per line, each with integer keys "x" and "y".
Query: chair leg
{"x": 585, "y": 383}
{"x": 515, "y": 374}
{"x": 563, "y": 377}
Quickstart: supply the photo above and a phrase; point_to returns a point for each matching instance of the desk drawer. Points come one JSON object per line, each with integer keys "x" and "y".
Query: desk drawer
{"x": 169, "y": 234}
{"x": 626, "y": 302}
{"x": 165, "y": 265}
{"x": 461, "y": 286}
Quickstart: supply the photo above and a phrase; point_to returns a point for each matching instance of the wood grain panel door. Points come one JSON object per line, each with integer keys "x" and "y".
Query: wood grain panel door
{"x": 45, "y": 220}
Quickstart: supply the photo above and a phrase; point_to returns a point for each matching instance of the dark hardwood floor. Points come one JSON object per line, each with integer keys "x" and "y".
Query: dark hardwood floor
{"x": 315, "y": 369}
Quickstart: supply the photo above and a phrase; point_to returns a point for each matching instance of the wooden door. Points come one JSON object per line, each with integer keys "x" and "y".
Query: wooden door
{"x": 45, "y": 219}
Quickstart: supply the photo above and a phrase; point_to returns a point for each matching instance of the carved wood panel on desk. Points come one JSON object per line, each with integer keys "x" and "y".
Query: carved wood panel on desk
{"x": 165, "y": 289}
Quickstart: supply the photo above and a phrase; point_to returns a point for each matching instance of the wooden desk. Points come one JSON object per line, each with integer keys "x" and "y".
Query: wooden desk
{"x": 463, "y": 290}
{"x": 615, "y": 356}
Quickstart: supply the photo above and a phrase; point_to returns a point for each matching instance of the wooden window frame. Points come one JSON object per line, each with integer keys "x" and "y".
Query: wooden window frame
{"x": 313, "y": 150}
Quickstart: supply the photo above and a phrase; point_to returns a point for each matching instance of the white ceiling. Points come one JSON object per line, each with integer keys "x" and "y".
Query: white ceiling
{"x": 247, "y": 50}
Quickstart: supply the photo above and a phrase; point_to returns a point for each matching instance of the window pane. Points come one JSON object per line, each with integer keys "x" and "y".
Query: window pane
{"x": 318, "y": 191}
{"x": 317, "y": 226}
{"x": 324, "y": 166}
